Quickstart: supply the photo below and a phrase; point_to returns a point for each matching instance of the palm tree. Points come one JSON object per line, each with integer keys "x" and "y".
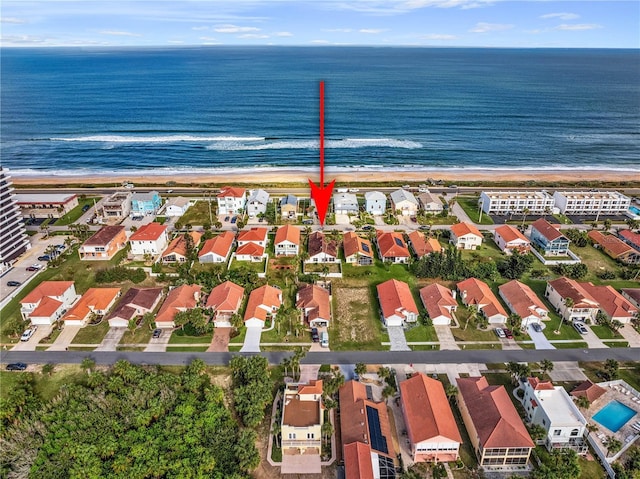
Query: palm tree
{"x": 546, "y": 365}
{"x": 451, "y": 391}
{"x": 525, "y": 212}
{"x": 276, "y": 429}
{"x": 88, "y": 364}
{"x": 473, "y": 314}
{"x": 583, "y": 402}
{"x": 612, "y": 444}
{"x": 633, "y": 224}
{"x": 327, "y": 430}
{"x": 568, "y": 304}
{"x": 360, "y": 369}
{"x": 607, "y": 224}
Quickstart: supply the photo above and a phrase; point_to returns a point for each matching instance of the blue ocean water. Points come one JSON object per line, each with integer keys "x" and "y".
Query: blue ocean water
{"x": 160, "y": 110}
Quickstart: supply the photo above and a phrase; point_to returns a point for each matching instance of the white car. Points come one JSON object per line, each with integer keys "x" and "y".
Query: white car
{"x": 500, "y": 333}
{"x": 580, "y": 327}
{"x": 28, "y": 333}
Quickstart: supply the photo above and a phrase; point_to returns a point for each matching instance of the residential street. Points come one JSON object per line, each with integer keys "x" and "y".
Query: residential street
{"x": 333, "y": 357}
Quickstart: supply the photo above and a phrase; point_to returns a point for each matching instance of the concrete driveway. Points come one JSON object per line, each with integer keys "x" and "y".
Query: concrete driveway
{"x": 630, "y": 335}
{"x": 220, "y": 341}
{"x": 159, "y": 344}
{"x": 111, "y": 339}
{"x": 252, "y": 340}
{"x": 540, "y": 341}
{"x": 41, "y": 333}
{"x": 397, "y": 339}
{"x": 592, "y": 340}
{"x": 445, "y": 338}
{"x": 65, "y": 337}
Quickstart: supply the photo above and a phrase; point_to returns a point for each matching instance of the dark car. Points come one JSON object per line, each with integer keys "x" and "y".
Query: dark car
{"x": 314, "y": 335}
{"x": 156, "y": 333}
{"x": 367, "y": 227}
{"x": 424, "y": 228}
{"x": 226, "y": 218}
{"x": 34, "y": 267}
{"x": 85, "y": 208}
{"x": 13, "y": 283}
{"x": 44, "y": 257}
{"x": 508, "y": 333}
{"x": 16, "y": 367}
{"x": 536, "y": 327}
{"x": 233, "y": 220}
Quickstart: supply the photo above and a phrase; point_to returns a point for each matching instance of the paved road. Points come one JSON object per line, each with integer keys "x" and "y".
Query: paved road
{"x": 333, "y": 357}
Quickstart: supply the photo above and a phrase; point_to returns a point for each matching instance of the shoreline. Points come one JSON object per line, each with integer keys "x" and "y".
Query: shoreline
{"x": 371, "y": 176}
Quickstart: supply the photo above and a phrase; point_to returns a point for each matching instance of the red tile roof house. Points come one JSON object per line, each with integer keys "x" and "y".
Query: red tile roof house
{"x": 612, "y": 303}
{"x": 48, "y": 302}
{"x": 396, "y": 303}
{"x": 615, "y": 247}
{"x": 104, "y": 244}
{"x": 357, "y": 250}
{"x": 287, "y": 241}
{"x": 630, "y": 238}
{"x": 391, "y": 247}
{"x": 95, "y": 301}
{"x": 149, "y": 239}
{"x": 134, "y": 304}
{"x": 497, "y": 434}
{"x": 176, "y": 252}
{"x": 465, "y": 236}
{"x": 179, "y": 299}
{"x": 231, "y": 200}
{"x": 315, "y": 303}
{"x": 633, "y": 295}
{"x": 252, "y": 244}
{"x": 584, "y": 306}
{"x": 321, "y": 249}
{"x": 521, "y": 300}
{"x": 218, "y": 249}
{"x": 510, "y": 239}
{"x": 478, "y": 293}
{"x": 440, "y": 303}
{"x": 225, "y": 300}
{"x": 429, "y": 421}
{"x": 422, "y": 246}
{"x": 263, "y": 303}
{"x": 366, "y": 434}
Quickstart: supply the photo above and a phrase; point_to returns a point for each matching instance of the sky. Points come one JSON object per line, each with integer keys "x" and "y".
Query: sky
{"x": 440, "y": 23}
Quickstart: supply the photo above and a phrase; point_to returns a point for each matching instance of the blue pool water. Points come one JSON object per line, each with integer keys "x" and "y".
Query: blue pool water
{"x": 614, "y": 415}
{"x": 634, "y": 210}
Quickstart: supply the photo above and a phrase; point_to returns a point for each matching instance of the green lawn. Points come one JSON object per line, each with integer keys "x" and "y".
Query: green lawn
{"x": 630, "y": 372}
{"x": 46, "y": 386}
{"x": 140, "y": 335}
{"x": 571, "y": 345}
{"x": 92, "y": 334}
{"x": 470, "y": 207}
{"x": 604, "y": 332}
{"x": 616, "y": 344}
{"x": 239, "y": 339}
{"x": 488, "y": 250}
{"x": 178, "y": 337}
{"x": 421, "y": 333}
{"x": 590, "y": 469}
{"x": 73, "y": 215}
{"x": 187, "y": 349}
{"x": 597, "y": 262}
{"x": 258, "y": 267}
{"x": 198, "y": 214}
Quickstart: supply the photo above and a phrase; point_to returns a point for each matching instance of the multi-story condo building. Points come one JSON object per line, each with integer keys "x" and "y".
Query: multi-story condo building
{"x": 515, "y": 202}
{"x": 118, "y": 205}
{"x": 551, "y": 407}
{"x": 13, "y": 235}
{"x": 49, "y": 205}
{"x": 591, "y": 202}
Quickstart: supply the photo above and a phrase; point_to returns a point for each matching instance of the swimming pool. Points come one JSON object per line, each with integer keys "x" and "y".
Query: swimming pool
{"x": 614, "y": 415}
{"x": 634, "y": 210}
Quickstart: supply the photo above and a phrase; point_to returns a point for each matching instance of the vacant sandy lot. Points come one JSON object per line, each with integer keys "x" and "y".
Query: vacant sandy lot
{"x": 353, "y": 316}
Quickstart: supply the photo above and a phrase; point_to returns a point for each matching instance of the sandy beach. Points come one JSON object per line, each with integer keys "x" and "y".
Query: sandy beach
{"x": 271, "y": 177}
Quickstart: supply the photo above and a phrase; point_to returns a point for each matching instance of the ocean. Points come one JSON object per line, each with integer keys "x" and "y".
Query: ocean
{"x": 94, "y": 111}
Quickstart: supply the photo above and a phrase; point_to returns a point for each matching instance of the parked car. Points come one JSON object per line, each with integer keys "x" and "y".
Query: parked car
{"x": 13, "y": 284}
{"x": 156, "y": 333}
{"x": 500, "y": 333}
{"x": 16, "y": 367}
{"x": 367, "y": 227}
{"x": 233, "y": 220}
{"x": 44, "y": 257}
{"x": 34, "y": 267}
{"x": 580, "y": 327}
{"x": 260, "y": 220}
{"x": 324, "y": 340}
{"x": 536, "y": 327}
{"x": 307, "y": 222}
{"x": 314, "y": 335}
{"x": 508, "y": 333}
{"x": 424, "y": 228}
{"x": 226, "y": 218}
{"x": 26, "y": 336}
{"x": 85, "y": 208}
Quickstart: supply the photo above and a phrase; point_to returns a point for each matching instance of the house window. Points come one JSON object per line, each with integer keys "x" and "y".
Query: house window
{"x": 557, "y": 432}
{"x": 292, "y": 435}
{"x": 574, "y": 432}
{"x": 310, "y": 435}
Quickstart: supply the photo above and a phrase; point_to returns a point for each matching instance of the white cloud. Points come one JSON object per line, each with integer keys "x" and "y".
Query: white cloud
{"x": 482, "y": 27}
{"x": 372, "y": 31}
{"x": 119, "y": 33}
{"x": 252, "y": 35}
{"x": 438, "y": 36}
{"x": 283, "y": 34}
{"x": 320, "y": 42}
{"x": 235, "y": 29}
{"x": 578, "y": 26}
{"x": 204, "y": 27}
{"x": 561, "y": 16}
{"x": 338, "y": 30}
{"x": 208, "y": 39}
{"x": 464, "y": 4}
{"x": 23, "y": 40}
{"x": 12, "y": 20}
{"x": 397, "y": 7}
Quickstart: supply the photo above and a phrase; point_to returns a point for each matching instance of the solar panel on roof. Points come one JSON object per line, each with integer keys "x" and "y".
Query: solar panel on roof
{"x": 376, "y": 439}
{"x": 365, "y": 247}
{"x": 398, "y": 242}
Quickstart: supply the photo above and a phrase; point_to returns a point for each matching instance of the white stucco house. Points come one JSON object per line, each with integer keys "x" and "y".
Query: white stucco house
{"x": 375, "y": 203}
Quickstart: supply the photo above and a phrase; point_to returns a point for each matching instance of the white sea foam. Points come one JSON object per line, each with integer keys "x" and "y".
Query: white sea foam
{"x": 154, "y": 139}
{"x": 315, "y": 144}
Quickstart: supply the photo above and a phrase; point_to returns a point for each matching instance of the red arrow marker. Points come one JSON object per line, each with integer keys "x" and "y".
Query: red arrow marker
{"x": 321, "y": 194}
